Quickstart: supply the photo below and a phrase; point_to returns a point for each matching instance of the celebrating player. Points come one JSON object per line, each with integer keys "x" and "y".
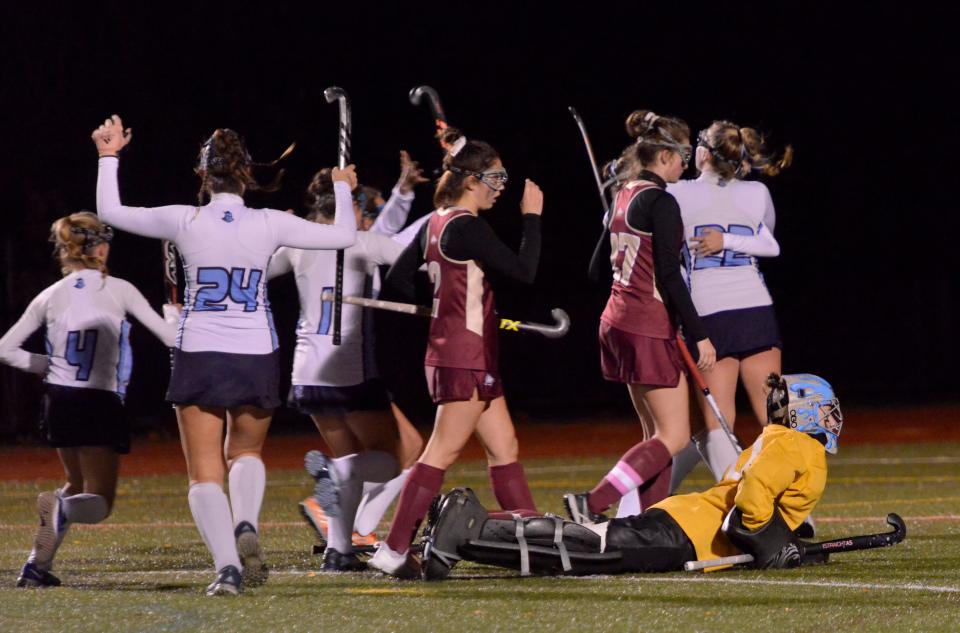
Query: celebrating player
{"x": 336, "y": 385}
{"x": 638, "y": 343}
{"x": 86, "y": 370}
{"x": 755, "y": 508}
{"x": 461, "y": 359}
{"x": 225, "y": 364}
{"x": 728, "y": 223}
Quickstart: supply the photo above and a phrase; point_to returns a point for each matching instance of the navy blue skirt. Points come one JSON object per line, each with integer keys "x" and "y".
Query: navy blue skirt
{"x": 74, "y": 417}
{"x": 218, "y": 379}
{"x": 325, "y": 400}
{"x": 741, "y": 333}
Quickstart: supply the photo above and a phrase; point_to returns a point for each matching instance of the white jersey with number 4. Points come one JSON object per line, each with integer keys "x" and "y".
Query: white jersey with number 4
{"x": 743, "y": 211}
{"x": 226, "y": 249}
{"x": 87, "y": 333}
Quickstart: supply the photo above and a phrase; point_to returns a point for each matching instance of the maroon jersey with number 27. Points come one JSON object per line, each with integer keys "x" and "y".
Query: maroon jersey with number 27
{"x": 635, "y": 304}
{"x": 463, "y": 331}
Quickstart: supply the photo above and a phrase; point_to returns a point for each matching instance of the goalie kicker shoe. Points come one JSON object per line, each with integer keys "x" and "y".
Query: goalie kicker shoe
{"x": 454, "y": 519}
{"x": 229, "y": 582}
{"x": 579, "y": 509}
{"x": 255, "y": 571}
{"x": 33, "y": 576}
{"x": 325, "y": 489}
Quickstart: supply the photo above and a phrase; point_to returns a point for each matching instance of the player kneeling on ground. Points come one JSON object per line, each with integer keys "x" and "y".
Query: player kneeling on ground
{"x": 754, "y": 509}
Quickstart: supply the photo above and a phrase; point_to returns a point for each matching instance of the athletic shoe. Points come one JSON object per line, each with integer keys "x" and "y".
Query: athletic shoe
{"x": 334, "y": 561}
{"x": 579, "y": 509}
{"x": 315, "y": 516}
{"x": 33, "y": 576}
{"x": 229, "y": 582}
{"x": 369, "y": 542}
{"x": 51, "y": 523}
{"x": 255, "y": 571}
{"x": 325, "y": 490}
{"x": 807, "y": 529}
{"x": 402, "y": 566}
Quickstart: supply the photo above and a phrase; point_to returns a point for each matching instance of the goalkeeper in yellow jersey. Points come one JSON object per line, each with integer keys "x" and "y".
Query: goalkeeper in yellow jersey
{"x": 754, "y": 509}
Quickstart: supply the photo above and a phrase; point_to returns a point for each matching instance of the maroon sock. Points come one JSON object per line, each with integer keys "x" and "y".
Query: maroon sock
{"x": 638, "y": 465}
{"x": 657, "y": 489}
{"x": 421, "y": 487}
{"x": 510, "y": 487}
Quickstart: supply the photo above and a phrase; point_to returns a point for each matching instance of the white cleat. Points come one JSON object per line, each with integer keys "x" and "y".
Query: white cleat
{"x": 403, "y": 566}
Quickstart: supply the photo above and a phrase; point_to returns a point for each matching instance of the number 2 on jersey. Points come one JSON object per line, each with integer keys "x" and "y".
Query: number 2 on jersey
{"x": 81, "y": 348}
{"x": 623, "y": 262}
{"x": 726, "y": 257}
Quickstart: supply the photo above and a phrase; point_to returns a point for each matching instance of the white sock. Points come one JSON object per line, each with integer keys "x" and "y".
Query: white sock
{"x": 340, "y": 528}
{"x": 373, "y": 466}
{"x": 85, "y": 508}
{"x": 211, "y": 513}
{"x": 376, "y": 502}
{"x": 683, "y": 462}
{"x": 629, "y": 504}
{"x": 719, "y": 452}
{"x": 248, "y": 479}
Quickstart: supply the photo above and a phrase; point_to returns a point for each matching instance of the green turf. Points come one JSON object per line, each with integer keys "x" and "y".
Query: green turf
{"x": 142, "y": 575}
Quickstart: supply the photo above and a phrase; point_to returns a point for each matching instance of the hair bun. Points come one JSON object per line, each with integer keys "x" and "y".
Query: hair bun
{"x": 639, "y": 122}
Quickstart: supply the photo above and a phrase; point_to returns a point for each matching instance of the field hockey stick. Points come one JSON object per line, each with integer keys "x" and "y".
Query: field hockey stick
{"x": 333, "y": 93}
{"x": 170, "y": 255}
{"x": 433, "y": 100}
{"x": 601, "y": 186}
{"x": 843, "y": 544}
{"x": 557, "y": 329}
{"x": 705, "y": 390}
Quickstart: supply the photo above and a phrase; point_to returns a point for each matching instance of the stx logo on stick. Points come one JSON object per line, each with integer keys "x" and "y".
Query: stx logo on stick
{"x": 507, "y": 324}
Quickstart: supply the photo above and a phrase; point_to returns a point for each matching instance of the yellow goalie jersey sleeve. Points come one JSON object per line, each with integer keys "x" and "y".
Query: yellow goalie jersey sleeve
{"x": 783, "y": 468}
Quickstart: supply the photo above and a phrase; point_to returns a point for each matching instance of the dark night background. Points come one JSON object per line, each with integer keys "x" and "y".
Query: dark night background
{"x": 864, "y": 287}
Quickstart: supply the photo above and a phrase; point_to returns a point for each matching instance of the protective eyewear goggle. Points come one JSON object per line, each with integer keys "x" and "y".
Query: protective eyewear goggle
{"x": 495, "y": 179}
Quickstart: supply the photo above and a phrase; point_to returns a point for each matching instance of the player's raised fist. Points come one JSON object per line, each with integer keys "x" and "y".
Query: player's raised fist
{"x": 532, "y": 201}
{"x": 111, "y": 137}
{"x": 348, "y": 175}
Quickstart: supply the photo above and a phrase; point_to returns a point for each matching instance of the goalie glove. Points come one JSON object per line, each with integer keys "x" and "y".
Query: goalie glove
{"x": 773, "y": 545}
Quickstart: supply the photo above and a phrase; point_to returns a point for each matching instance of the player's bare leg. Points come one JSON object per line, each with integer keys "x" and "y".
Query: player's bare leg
{"x": 498, "y": 437}
{"x": 754, "y": 370}
{"x": 201, "y": 435}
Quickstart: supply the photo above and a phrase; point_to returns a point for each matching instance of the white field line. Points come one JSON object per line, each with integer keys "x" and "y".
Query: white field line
{"x": 160, "y": 525}
{"x": 698, "y": 578}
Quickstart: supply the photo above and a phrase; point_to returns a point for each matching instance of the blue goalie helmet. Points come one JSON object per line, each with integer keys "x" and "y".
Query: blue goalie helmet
{"x": 806, "y": 403}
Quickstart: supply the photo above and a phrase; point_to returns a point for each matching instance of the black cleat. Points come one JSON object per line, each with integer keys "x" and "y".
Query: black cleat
{"x": 33, "y": 576}
{"x": 255, "y": 571}
{"x": 579, "y": 509}
{"x": 229, "y": 582}
{"x": 334, "y": 561}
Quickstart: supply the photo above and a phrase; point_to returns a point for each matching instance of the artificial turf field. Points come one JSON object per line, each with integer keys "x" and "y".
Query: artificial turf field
{"x": 145, "y": 568}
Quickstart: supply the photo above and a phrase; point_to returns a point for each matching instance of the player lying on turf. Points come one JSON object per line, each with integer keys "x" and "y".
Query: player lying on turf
{"x": 754, "y": 509}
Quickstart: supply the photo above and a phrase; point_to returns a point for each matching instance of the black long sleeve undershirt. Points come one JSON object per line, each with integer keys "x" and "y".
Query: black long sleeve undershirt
{"x": 466, "y": 238}
{"x": 656, "y": 211}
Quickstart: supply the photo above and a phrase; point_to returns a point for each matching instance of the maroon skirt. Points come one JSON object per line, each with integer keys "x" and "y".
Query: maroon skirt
{"x": 452, "y": 384}
{"x": 639, "y": 360}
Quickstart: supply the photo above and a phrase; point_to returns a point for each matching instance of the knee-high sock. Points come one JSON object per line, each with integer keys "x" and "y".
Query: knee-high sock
{"x": 638, "y": 465}
{"x": 683, "y": 463}
{"x": 510, "y": 487}
{"x": 422, "y": 486}
{"x": 376, "y": 499}
{"x": 720, "y": 453}
{"x": 350, "y": 471}
{"x": 656, "y": 489}
{"x": 248, "y": 479}
{"x": 374, "y": 466}
{"x": 340, "y": 528}
{"x": 211, "y": 513}
{"x": 62, "y": 528}
{"x": 84, "y": 508}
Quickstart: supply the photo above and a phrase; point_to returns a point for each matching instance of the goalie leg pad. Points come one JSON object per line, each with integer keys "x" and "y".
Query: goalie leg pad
{"x": 454, "y": 519}
{"x": 650, "y": 542}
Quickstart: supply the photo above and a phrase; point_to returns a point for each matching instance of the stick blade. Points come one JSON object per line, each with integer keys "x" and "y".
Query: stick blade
{"x": 900, "y": 527}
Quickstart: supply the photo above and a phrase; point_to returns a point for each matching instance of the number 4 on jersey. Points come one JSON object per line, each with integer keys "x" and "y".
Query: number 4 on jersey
{"x": 81, "y": 348}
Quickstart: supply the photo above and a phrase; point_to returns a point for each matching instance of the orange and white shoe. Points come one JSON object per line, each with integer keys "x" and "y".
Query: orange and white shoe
{"x": 315, "y": 516}
{"x": 369, "y": 542}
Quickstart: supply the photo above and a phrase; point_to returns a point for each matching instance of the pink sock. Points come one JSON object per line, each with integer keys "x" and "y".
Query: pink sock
{"x": 638, "y": 465}
{"x": 422, "y": 486}
{"x": 510, "y": 487}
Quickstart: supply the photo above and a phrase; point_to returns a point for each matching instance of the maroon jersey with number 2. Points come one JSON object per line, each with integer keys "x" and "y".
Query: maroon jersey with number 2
{"x": 463, "y": 331}
{"x": 635, "y": 304}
